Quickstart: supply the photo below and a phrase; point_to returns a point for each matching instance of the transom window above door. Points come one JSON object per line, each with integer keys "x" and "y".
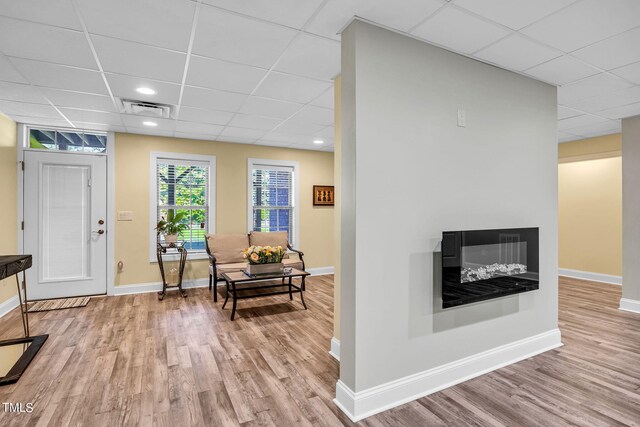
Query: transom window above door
{"x": 67, "y": 140}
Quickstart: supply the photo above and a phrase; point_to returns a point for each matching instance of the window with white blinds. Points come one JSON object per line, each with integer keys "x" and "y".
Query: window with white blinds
{"x": 184, "y": 186}
{"x": 273, "y": 197}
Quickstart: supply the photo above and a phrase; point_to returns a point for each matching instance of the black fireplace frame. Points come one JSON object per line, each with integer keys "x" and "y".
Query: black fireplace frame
{"x": 456, "y": 293}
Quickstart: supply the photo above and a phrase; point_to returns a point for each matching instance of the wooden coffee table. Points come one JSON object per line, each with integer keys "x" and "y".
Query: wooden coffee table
{"x": 237, "y": 279}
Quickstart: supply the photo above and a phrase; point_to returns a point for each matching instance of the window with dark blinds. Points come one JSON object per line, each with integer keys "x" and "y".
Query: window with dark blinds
{"x": 273, "y": 199}
{"x": 183, "y": 185}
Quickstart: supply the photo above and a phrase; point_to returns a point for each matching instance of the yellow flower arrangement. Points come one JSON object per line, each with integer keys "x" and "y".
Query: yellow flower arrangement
{"x": 263, "y": 254}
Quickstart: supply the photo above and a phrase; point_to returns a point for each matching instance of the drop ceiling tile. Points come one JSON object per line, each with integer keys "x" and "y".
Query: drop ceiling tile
{"x": 150, "y": 131}
{"x": 234, "y": 38}
{"x": 337, "y": 13}
{"x": 45, "y": 43}
{"x": 630, "y": 72}
{"x": 269, "y": 143}
{"x": 197, "y": 136}
{"x": 212, "y": 99}
{"x": 324, "y": 100}
{"x": 199, "y": 128}
{"x": 585, "y": 22}
{"x": 311, "y": 56}
{"x": 8, "y": 72}
{"x": 125, "y": 87}
{"x": 85, "y": 101}
{"x": 327, "y": 132}
{"x": 40, "y": 121}
{"x": 291, "y": 13}
{"x": 614, "y": 52}
{"x": 599, "y": 84}
{"x": 565, "y": 112}
{"x": 29, "y": 110}
{"x": 232, "y": 132}
{"x": 514, "y": 14}
{"x": 59, "y": 13}
{"x": 61, "y": 76}
{"x": 254, "y": 122}
{"x": 236, "y": 140}
{"x": 597, "y": 129}
{"x": 256, "y": 105}
{"x": 517, "y": 53}
{"x": 564, "y": 137}
{"x": 300, "y": 127}
{"x": 162, "y": 23}
{"x": 21, "y": 92}
{"x": 609, "y": 100}
{"x": 137, "y": 122}
{"x": 135, "y": 59}
{"x": 579, "y": 121}
{"x": 283, "y": 137}
{"x": 313, "y": 114}
{"x": 88, "y": 126}
{"x": 562, "y": 70}
{"x": 91, "y": 116}
{"x": 201, "y": 115}
{"x": 217, "y": 74}
{"x": 291, "y": 88}
{"x": 311, "y": 146}
{"x": 622, "y": 112}
{"x": 457, "y": 30}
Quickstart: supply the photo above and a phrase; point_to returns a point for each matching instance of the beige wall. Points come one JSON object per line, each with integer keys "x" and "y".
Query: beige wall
{"x": 337, "y": 181}
{"x": 132, "y": 194}
{"x": 590, "y": 205}
{"x": 9, "y": 197}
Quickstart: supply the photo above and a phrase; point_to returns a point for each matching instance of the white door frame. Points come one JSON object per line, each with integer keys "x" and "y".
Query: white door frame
{"x": 110, "y": 217}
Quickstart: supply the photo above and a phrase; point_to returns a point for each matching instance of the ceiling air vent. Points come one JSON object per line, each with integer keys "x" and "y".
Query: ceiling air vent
{"x": 149, "y": 109}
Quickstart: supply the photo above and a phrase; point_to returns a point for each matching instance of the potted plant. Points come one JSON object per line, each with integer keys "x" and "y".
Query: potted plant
{"x": 172, "y": 226}
{"x": 264, "y": 260}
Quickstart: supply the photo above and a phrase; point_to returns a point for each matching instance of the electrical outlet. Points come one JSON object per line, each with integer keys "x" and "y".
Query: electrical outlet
{"x": 125, "y": 216}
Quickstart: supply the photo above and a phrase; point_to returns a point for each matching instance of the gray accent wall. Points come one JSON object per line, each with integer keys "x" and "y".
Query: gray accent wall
{"x": 631, "y": 208}
{"x": 409, "y": 173}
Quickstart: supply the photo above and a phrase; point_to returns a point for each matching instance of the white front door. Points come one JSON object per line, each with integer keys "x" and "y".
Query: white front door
{"x": 65, "y": 206}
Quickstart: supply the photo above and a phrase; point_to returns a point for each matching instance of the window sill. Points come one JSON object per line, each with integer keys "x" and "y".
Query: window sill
{"x": 176, "y": 257}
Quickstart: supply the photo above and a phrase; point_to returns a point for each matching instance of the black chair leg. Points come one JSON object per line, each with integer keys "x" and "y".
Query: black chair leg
{"x": 210, "y": 281}
{"x": 215, "y": 289}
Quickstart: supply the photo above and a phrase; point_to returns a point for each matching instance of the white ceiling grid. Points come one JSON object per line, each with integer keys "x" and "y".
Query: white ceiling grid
{"x": 261, "y": 72}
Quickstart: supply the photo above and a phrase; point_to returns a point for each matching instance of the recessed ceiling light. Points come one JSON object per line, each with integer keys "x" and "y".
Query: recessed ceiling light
{"x": 318, "y": 141}
{"x": 148, "y": 123}
{"x": 146, "y": 91}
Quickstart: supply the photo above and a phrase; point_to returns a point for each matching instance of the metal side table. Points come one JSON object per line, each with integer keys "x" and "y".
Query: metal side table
{"x": 169, "y": 281}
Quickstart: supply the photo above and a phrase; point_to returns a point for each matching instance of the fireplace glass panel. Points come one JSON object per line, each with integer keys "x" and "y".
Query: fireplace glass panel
{"x": 488, "y": 261}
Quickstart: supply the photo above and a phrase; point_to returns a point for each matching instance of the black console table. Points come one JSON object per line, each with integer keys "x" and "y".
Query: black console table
{"x": 12, "y": 265}
{"x": 20, "y": 350}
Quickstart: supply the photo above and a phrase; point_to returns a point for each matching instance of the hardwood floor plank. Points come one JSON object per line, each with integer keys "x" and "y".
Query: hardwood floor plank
{"x": 136, "y": 361}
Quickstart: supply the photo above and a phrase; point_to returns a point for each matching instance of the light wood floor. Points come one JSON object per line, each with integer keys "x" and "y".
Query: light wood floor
{"x": 133, "y": 360}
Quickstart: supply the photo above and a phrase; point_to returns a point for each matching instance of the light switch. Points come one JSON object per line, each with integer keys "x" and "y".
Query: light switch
{"x": 462, "y": 118}
{"x": 125, "y": 216}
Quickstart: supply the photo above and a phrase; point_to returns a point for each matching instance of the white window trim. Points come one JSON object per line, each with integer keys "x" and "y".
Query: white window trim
{"x": 251, "y": 163}
{"x": 153, "y": 207}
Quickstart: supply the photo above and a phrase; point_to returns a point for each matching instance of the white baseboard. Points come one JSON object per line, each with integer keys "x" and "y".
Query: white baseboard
{"x": 9, "y": 305}
{"x": 320, "y": 271}
{"x": 362, "y": 404}
{"x": 587, "y": 275}
{"x": 335, "y": 348}
{"x": 142, "y": 288}
{"x": 630, "y": 305}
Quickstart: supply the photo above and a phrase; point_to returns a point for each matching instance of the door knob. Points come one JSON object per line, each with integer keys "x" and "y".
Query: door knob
{"x": 99, "y": 231}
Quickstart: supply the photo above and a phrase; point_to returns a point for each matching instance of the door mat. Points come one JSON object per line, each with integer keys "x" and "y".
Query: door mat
{"x": 58, "y": 304}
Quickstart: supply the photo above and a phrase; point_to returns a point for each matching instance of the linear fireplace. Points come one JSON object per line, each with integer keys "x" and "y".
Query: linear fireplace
{"x": 479, "y": 265}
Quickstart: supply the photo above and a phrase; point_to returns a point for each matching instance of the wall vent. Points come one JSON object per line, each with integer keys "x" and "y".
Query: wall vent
{"x": 149, "y": 109}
